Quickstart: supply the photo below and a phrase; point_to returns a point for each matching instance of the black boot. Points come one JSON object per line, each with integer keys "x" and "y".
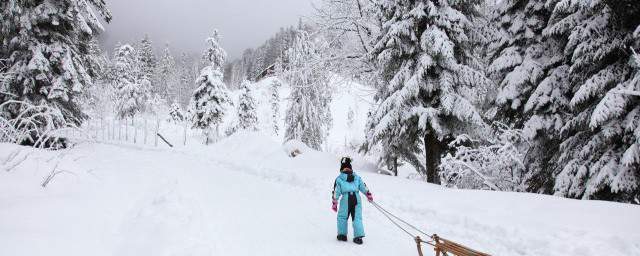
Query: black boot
{"x": 358, "y": 240}
{"x": 342, "y": 238}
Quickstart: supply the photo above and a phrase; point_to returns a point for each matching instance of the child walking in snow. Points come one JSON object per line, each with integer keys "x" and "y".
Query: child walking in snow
{"x": 345, "y": 189}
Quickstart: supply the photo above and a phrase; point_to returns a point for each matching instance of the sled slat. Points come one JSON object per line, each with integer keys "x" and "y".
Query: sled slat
{"x": 446, "y": 246}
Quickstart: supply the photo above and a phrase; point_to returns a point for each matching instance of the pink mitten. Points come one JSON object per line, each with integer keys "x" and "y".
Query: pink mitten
{"x": 334, "y": 205}
{"x": 369, "y": 197}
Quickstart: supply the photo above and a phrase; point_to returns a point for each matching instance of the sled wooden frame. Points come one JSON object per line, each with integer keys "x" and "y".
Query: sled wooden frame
{"x": 444, "y": 247}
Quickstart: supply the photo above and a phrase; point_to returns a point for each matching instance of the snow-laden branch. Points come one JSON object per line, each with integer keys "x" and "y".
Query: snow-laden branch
{"x": 636, "y": 61}
{"x": 4, "y": 75}
{"x": 40, "y": 125}
{"x": 627, "y": 92}
{"x": 495, "y": 162}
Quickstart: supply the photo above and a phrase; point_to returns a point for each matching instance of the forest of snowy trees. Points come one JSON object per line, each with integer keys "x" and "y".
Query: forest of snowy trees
{"x": 537, "y": 96}
{"x": 520, "y": 95}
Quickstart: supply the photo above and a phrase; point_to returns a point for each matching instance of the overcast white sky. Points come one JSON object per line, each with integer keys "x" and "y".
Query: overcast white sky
{"x": 185, "y": 24}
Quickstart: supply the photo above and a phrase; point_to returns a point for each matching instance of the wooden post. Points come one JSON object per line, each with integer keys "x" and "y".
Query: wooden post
{"x": 113, "y": 129}
{"x": 184, "y": 139}
{"x": 119, "y": 129}
{"x": 126, "y": 130}
{"x": 145, "y": 131}
{"x": 102, "y": 127}
{"x": 217, "y": 132}
{"x": 135, "y": 129}
{"x": 163, "y": 139}
{"x": 157, "y": 130}
{"x": 97, "y": 131}
{"x": 418, "y": 240}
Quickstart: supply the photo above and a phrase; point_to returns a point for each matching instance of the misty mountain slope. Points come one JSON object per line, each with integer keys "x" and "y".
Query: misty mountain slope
{"x": 245, "y": 196}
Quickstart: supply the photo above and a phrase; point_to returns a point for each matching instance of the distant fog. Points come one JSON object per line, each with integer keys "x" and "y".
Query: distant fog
{"x": 185, "y": 24}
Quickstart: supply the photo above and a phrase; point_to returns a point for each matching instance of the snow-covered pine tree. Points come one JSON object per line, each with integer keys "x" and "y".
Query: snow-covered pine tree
{"x": 526, "y": 63}
{"x": 598, "y": 156}
{"x": 185, "y": 78}
{"x": 98, "y": 61}
{"x": 210, "y": 96}
{"x": 430, "y": 77}
{"x": 308, "y": 116}
{"x": 247, "y": 115}
{"x": 130, "y": 98}
{"x": 158, "y": 106}
{"x": 518, "y": 55}
{"x": 147, "y": 62}
{"x": 98, "y": 99}
{"x": 165, "y": 77}
{"x": 45, "y": 46}
{"x": 146, "y": 57}
{"x": 175, "y": 112}
{"x": 260, "y": 64}
{"x": 274, "y": 102}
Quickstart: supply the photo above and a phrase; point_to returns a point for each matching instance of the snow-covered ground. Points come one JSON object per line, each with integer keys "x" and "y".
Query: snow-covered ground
{"x": 245, "y": 196}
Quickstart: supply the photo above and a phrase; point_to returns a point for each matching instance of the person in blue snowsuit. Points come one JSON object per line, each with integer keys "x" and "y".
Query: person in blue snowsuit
{"x": 345, "y": 190}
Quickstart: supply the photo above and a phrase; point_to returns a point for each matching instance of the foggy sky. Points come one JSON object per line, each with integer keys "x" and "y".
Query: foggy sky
{"x": 185, "y": 24}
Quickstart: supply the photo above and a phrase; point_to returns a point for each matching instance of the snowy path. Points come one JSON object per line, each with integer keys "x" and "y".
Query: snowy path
{"x": 243, "y": 196}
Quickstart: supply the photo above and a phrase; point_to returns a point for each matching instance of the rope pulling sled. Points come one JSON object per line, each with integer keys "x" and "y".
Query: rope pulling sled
{"x": 440, "y": 245}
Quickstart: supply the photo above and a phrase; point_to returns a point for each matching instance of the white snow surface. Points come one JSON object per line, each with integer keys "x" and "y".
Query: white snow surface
{"x": 245, "y": 196}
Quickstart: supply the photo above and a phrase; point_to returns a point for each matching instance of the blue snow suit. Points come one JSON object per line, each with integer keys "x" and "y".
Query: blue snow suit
{"x": 345, "y": 190}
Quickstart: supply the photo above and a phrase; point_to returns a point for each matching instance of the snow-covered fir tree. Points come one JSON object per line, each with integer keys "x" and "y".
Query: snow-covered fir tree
{"x": 100, "y": 96}
{"x": 98, "y": 60}
{"x": 127, "y": 85}
{"x": 147, "y": 63}
{"x": 146, "y": 57}
{"x": 165, "y": 81}
{"x": 523, "y": 62}
{"x": 598, "y": 156}
{"x": 185, "y": 78}
{"x": 45, "y": 47}
{"x": 157, "y": 106}
{"x": 308, "y": 117}
{"x": 274, "y": 102}
{"x": 175, "y": 112}
{"x": 430, "y": 78}
{"x": 247, "y": 114}
{"x": 518, "y": 55}
{"x": 210, "y": 96}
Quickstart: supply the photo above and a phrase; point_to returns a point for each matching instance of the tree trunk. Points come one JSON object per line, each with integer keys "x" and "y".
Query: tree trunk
{"x": 206, "y": 135}
{"x": 395, "y": 166}
{"x": 217, "y": 132}
{"x": 433, "y": 151}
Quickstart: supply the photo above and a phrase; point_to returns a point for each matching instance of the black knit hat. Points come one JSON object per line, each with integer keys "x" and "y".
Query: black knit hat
{"x": 345, "y": 163}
